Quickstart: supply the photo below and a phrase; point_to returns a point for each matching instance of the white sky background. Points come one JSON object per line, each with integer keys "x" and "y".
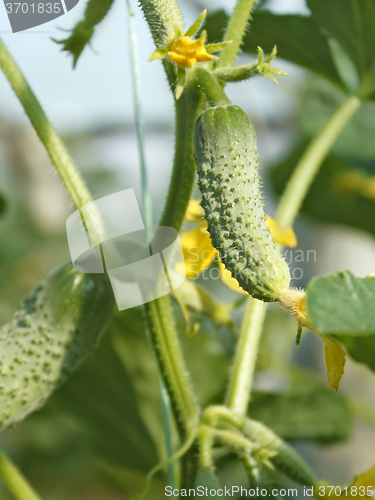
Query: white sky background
{"x": 99, "y": 90}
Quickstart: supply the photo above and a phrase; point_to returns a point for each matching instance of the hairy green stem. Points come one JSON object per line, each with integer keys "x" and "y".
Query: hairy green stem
{"x": 73, "y": 182}
{"x": 311, "y": 160}
{"x": 158, "y": 313}
{"x": 235, "y": 31}
{"x": 238, "y": 73}
{"x": 211, "y": 87}
{"x": 240, "y": 384}
{"x": 14, "y": 480}
{"x": 283, "y": 456}
{"x": 206, "y": 441}
{"x": 188, "y": 108}
{"x": 171, "y": 362}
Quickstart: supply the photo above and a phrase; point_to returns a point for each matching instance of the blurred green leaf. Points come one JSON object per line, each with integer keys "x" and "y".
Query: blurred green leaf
{"x": 207, "y": 479}
{"x": 333, "y": 195}
{"x": 362, "y": 349}
{"x": 114, "y": 400}
{"x": 319, "y": 100}
{"x": 101, "y": 402}
{"x": 3, "y": 205}
{"x": 341, "y": 304}
{"x": 318, "y": 414}
{"x": 351, "y": 23}
{"x": 132, "y": 346}
{"x": 83, "y": 31}
{"x": 206, "y": 360}
{"x": 298, "y": 39}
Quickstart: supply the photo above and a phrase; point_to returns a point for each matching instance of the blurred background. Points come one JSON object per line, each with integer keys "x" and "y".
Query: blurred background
{"x": 99, "y": 434}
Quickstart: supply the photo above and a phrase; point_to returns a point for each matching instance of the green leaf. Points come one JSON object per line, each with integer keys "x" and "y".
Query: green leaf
{"x": 207, "y": 479}
{"x": 351, "y": 23}
{"x": 341, "y": 304}
{"x": 319, "y": 100}
{"x": 328, "y": 199}
{"x": 197, "y": 24}
{"x": 158, "y": 54}
{"x": 207, "y": 362}
{"x": 306, "y": 410}
{"x": 362, "y": 349}
{"x": 318, "y": 414}
{"x": 3, "y": 205}
{"x": 83, "y": 31}
{"x": 298, "y": 39}
{"x": 216, "y": 47}
{"x": 100, "y": 400}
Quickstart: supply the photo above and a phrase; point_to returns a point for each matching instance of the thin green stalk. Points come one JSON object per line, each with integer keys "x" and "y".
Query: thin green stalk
{"x": 235, "y": 31}
{"x": 148, "y": 217}
{"x": 146, "y": 199}
{"x": 59, "y": 156}
{"x": 310, "y": 162}
{"x": 241, "y": 380}
{"x": 14, "y": 480}
{"x": 166, "y": 412}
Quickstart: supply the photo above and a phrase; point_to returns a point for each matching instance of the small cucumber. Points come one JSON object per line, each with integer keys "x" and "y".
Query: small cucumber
{"x": 227, "y": 163}
{"x": 49, "y": 336}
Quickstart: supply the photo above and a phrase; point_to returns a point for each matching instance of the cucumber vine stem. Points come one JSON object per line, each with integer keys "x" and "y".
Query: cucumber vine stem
{"x": 235, "y": 31}
{"x": 14, "y": 480}
{"x": 245, "y": 358}
{"x": 164, "y": 338}
{"x": 158, "y": 312}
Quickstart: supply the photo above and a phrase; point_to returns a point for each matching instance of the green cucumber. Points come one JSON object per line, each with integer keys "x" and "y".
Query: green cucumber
{"x": 49, "y": 336}
{"x": 227, "y": 164}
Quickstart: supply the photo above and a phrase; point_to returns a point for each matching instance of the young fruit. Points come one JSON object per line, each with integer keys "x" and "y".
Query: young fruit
{"x": 227, "y": 162}
{"x": 49, "y": 336}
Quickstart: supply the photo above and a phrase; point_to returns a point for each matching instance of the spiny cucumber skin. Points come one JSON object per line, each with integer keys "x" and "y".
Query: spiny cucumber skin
{"x": 227, "y": 165}
{"x": 49, "y": 336}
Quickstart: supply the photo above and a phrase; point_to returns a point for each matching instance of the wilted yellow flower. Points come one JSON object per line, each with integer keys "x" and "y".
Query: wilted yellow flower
{"x": 285, "y": 237}
{"x": 198, "y": 250}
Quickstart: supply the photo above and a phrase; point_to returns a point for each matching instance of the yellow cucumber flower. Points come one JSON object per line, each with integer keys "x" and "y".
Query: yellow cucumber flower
{"x": 186, "y": 52}
{"x": 199, "y": 252}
